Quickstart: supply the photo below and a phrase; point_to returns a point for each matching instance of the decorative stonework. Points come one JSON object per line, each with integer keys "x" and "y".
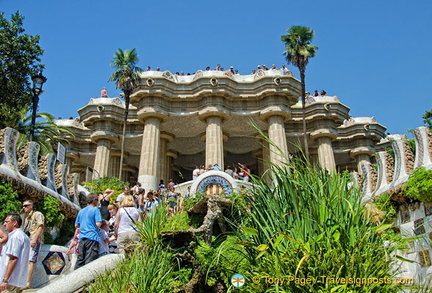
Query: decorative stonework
{"x": 389, "y": 167}
{"x": 54, "y": 263}
{"x": 51, "y": 182}
{"x": 168, "y": 75}
{"x": 33, "y": 171}
{"x": 209, "y": 182}
{"x": 10, "y": 159}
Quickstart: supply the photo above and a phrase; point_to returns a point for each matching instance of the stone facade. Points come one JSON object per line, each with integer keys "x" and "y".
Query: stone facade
{"x": 178, "y": 122}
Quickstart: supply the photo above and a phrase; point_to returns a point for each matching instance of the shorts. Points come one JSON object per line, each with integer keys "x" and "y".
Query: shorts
{"x": 123, "y": 239}
{"x": 34, "y": 253}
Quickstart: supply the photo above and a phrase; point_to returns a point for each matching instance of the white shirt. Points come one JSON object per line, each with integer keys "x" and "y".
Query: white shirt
{"x": 18, "y": 245}
{"x": 195, "y": 173}
{"x": 125, "y": 223}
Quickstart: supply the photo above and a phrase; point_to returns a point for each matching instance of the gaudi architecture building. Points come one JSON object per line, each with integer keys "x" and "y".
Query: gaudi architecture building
{"x": 178, "y": 122}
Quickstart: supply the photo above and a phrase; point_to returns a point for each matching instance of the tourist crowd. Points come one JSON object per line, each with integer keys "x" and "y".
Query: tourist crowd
{"x": 102, "y": 227}
{"x": 232, "y": 69}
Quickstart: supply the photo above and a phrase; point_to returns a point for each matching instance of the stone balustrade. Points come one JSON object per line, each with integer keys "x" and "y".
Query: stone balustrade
{"x": 393, "y": 173}
{"x": 414, "y": 218}
{"x": 36, "y": 177}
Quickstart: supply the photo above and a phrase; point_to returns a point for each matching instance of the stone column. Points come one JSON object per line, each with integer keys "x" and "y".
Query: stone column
{"x": 103, "y": 139}
{"x": 276, "y": 117}
{"x": 361, "y": 155}
{"x": 170, "y": 157}
{"x": 150, "y": 154}
{"x": 278, "y": 150}
{"x": 114, "y": 166}
{"x": 102, "y": 158}
{"x": 214, "y": 116}
{"x": 164, "y": 162}
{"x": 324, "y": 138}
{"x": 214, "y": 142}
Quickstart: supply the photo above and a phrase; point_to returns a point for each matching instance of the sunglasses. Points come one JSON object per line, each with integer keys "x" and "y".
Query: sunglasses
{"x": 26, "y": 205}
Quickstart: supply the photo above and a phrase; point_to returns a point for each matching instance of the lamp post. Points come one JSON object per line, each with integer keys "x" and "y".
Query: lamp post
{"x": 38, "y": 81}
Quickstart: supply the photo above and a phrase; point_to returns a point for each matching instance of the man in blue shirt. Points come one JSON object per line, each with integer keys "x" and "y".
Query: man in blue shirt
{"x": 88, "y": 221}
{"x": 216, "y": 167}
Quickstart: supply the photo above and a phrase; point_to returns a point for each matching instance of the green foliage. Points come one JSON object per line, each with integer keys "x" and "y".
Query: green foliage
{"x": 50, "y": 208}
{"x": 19, "y": 60}
{"x": 221, "y": 259}
{"x": 307, "y": 223}
{"x": 387, "y": 206}
{"x": 427, "y": 119}
{"x": 65, "y": 234}
{"x": 46, "y": 132}
{"x": 412, "y": 145}
{"x": 9, "y": 201}
{"x": 152, "y": 225}
{"x": 100, "y": 185}
{"x": 150, "y": 269}
{"x": 179, "y": 221}
{"x": 419, "y": 185}
{"x": 298, "y": 46}
{"x": 189, "y": 202}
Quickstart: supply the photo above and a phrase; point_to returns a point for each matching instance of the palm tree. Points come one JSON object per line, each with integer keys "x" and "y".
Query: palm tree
{"x": 46, "y": 132}
{"x": 298, "y": 50}
{"x": 126, "y": 77}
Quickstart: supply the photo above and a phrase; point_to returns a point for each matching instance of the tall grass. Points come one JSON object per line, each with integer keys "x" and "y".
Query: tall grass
{"x": 309, "y": 223}
{"x": 150, "y": 267}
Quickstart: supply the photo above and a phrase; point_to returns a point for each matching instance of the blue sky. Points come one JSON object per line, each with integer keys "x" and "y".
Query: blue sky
{"x": 373, "y": 55}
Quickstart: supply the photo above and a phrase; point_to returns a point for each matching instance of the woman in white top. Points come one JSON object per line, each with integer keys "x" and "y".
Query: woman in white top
{"x": 125, "y": 228}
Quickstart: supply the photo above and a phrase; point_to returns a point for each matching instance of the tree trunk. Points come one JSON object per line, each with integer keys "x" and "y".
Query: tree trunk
{"x": 305, "y": 141}
{"x": 127, "y": 98}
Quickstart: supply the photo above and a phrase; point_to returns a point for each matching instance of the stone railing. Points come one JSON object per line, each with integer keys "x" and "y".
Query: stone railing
{"x": 392, "y": 174}
{"x": 36, "y": 177}
{"x": 414, "y": 218}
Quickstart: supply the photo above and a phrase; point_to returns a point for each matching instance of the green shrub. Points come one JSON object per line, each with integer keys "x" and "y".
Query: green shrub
{"x": 385, "y": 204}
{"x": 50, "y": 208}
{"x": 221, "y": 259}
{"x": 419, "y": 185}
{"x": 100, "y": 185}
{"x": 9, "y": 200}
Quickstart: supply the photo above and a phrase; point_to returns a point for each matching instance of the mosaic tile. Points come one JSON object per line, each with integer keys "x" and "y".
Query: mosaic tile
{"x": 54, "y": 263}
{"x": 419, "y": 227}
{"x": 212, "y": 182}
{"x": 425, "y": 258}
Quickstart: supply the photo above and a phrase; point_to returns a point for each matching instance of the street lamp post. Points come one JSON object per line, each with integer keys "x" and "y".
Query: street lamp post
{"x": 38, "y": 81}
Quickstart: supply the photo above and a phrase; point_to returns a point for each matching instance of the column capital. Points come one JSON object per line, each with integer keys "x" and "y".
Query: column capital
{"x": 172, "y": 154}
{"x": 324, "y": 132}
{"x": 108, "y": 135}
{"x": 275, "y": 110}
{"x": 72, "y": 155}
{"x": 167, "y": 136}
{"x": 224, "y": 137}
{"x": 362, "y": 150}
{"x": 152, "y": 112}
{"x": 213, "y": 111}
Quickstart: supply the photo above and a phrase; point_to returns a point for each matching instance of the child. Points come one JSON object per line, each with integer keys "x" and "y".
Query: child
{"x": 104, "y": 239}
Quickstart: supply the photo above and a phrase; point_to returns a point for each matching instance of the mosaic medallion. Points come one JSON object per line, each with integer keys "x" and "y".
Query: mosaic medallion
{"x": 54, "y": 263}
{"x": 217, "y": 183}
